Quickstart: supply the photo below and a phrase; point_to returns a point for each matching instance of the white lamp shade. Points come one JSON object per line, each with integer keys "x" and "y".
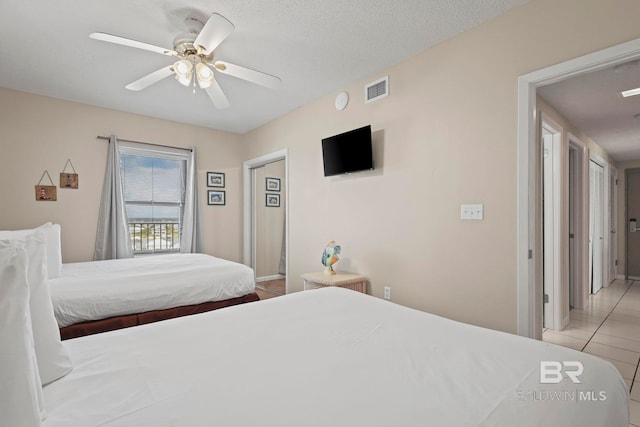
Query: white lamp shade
{"x": 204, "y": 75}
{"x": 184, "y": 71}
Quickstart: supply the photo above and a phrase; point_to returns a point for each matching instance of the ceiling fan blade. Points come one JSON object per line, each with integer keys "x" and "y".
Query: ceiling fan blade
{"x": 213, "y": 33}
{"x": 149, "y": 79}
{"x": 217, "y": 96}
{"x": 248, "y": 74}
{"x": 131, "y": 43}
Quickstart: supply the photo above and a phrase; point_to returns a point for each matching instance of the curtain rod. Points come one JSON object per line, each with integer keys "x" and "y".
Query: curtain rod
{"x": 146, "y": 143}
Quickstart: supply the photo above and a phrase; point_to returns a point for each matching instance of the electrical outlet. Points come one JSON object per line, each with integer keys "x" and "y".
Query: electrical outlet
{"x": 387, "y": 292}
{"x": 474, "y": 212}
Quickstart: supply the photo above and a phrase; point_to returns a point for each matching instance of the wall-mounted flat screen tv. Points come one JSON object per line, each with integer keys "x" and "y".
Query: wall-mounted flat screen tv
{"x": 348, "y": 152}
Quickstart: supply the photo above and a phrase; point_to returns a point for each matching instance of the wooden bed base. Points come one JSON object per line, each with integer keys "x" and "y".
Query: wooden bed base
{"x": 120, "y": 322}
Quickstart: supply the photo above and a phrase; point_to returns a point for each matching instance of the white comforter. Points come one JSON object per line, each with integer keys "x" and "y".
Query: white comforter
{"x": 328, "y": 357}
{"x": 100, "y": 289}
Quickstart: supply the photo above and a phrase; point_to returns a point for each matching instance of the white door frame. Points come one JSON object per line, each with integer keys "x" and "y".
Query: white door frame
{"x": 606, "y": 221}
{"x": 613, "y": 223}
{"x": 551, "y": 150}
{"x": 597, "y": 263}
{"x": 580, "y": 266}
{"x": 249, "y": 238}
{"x": 529, "y": 284}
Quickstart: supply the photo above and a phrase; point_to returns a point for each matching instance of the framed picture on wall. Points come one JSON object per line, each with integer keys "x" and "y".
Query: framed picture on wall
{"x": 46, "y": 193}
{"x": 273, "y": 184}
{"x": 272, "y": 200}
{"x": 68, "y": 180}
{"x": 215, "y": 197}
{"x": 215, "y": 179}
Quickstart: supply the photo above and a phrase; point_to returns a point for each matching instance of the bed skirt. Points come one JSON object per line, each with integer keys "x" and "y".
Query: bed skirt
{"x": 120, "y": 322}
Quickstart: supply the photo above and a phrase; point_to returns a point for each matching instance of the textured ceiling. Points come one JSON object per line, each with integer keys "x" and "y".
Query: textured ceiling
{"x": 315, "y": 47}
{"x": 592, "y": 103}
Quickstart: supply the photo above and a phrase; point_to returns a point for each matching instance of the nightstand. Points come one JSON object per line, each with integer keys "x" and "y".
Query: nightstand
{"x": 342, "y": 280}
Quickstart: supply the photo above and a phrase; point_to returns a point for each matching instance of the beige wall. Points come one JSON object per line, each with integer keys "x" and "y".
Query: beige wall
{"x": 446, "y": 135}
{"x": 622, "y": 214}
{"x": 39, "y": 133}
{"x": 269, "y": 220}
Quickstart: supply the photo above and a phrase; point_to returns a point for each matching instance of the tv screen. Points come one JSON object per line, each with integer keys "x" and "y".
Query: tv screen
{"x": 348, "y": 152}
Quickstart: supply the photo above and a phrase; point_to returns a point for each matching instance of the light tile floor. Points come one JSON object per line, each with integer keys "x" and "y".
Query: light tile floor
{"x": 610, "y": 329}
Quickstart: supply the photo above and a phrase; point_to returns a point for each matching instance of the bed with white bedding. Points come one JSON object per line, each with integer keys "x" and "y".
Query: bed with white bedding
{"x": 99, "y": 296}
{"x": 327, "y": 357}
{"x": 129, "y": 291}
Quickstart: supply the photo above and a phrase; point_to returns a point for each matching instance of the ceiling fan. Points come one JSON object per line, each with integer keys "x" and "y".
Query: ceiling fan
{"x": 194, "y": 51}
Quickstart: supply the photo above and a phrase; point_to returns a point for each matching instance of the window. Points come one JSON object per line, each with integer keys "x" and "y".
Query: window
{"x": 153, "y": 182}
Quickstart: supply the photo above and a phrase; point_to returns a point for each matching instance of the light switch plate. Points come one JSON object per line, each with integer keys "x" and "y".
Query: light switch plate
{"x": 473, "y": 212}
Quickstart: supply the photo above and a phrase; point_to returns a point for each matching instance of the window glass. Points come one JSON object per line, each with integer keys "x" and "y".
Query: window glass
{"x": 154, "y": 199}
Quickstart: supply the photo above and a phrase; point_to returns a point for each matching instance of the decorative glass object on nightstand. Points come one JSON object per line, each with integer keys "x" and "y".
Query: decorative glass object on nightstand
{"x": 330, "y": 257}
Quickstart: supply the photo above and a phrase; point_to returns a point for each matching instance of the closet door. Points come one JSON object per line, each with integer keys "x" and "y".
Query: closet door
{"x": 596, "y": 225}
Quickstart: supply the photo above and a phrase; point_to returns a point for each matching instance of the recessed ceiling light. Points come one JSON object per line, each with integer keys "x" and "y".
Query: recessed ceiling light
{"x": 630, "y": 92}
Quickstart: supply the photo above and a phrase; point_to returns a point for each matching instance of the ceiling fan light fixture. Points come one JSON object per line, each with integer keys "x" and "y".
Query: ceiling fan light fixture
{"x": 184, "y": 71}
{"x": 194, "y": 54}
{"x": 204, "y": 75}
{"x": 183, "y": 80}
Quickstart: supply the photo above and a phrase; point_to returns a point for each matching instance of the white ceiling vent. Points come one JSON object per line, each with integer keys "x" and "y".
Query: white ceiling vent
{"x": 376, "y": 90}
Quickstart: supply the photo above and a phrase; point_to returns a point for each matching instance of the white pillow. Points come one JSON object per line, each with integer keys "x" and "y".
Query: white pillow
{"x": 53, "y": 359}
{"x": 54, "y": 247}
{"x": 21, "y": 403}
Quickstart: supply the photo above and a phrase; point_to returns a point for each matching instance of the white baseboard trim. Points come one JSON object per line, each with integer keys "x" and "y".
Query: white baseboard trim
{"x": 267, "y": 278}
{"x": 621, "y": 277}
{"x": 634, "y": 278}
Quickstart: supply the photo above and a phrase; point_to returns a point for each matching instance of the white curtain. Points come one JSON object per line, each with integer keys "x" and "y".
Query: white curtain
{"x": 190, "y": 239}
{"x": 112, "y": 237}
